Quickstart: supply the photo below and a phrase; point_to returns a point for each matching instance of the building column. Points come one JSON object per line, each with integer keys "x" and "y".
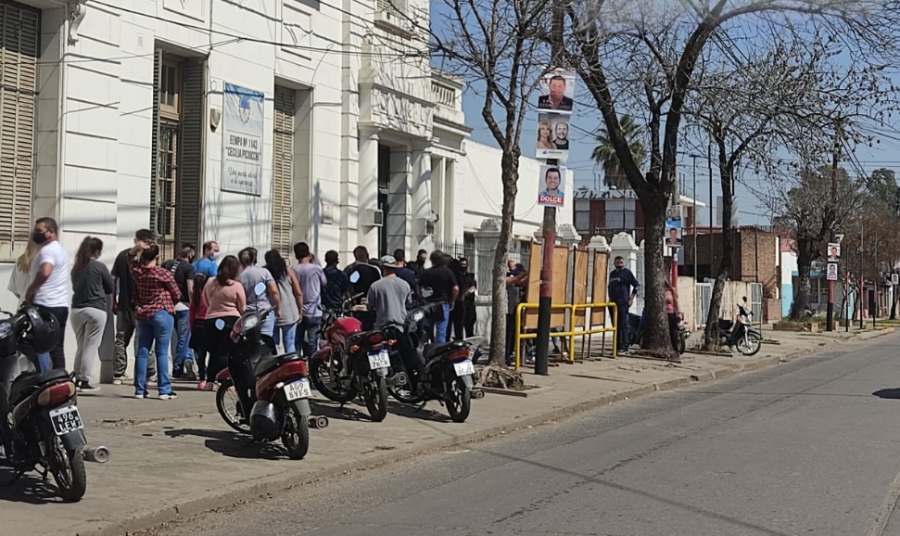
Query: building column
{"x": 367, "y": 192}
{"x": 397, "y": 221}
{"x": 422, "y": 190}
{"x": 448, "y": 210}
{"x": 437, "y": 196}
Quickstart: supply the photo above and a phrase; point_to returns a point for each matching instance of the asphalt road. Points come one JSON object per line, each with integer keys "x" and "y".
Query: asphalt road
{"x": 808, "y": 447}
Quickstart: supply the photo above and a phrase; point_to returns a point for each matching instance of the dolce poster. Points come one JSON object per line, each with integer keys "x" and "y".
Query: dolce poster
{"x": 243, "y": 125}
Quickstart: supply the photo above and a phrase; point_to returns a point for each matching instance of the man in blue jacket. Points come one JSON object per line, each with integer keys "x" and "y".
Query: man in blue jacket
{"x": 622, "y": 288}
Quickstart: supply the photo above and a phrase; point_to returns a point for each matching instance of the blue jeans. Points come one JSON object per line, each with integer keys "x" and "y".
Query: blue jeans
{"x": 309, "y": 325}
{"x": 182, "y": 348}
{"x": 46, "y": 363}
{"x": 440, "y": 327}
{"x": 157, "y": 329}
{"x": 268, "y": 325}
{"x": 289, "y": 334}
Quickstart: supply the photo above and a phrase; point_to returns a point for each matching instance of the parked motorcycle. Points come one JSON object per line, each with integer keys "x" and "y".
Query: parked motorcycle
{"x": 275, "y": 388}
{"x": 448, "y": 369}
{"x": 41, "y": 422}
{"x": 329, "y": 364}
{"x": 741, "y": 333}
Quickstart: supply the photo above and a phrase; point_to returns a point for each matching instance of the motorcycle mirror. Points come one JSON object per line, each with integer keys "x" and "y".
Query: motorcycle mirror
{"x": 354, "y": 277}
{"x": 744, "y": 299}
{"x": 260, "y": 288}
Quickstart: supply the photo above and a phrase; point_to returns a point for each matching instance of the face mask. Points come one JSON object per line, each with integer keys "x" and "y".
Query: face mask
{"x": 215, "y": 257}
{"x": 39, "y": 238}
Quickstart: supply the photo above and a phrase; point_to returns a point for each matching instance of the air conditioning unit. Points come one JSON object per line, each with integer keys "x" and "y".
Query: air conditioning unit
{"x": 372, "y": 217}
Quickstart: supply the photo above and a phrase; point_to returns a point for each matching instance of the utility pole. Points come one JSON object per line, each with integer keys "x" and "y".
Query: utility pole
{"x": 862, "y": 236}
{"x": 545, "y": 304}
{"x": 711, "y": 215}
{"x": 694, "y": 157}
{"x": 835, "y": 159}
{"x": 874, "y": 305}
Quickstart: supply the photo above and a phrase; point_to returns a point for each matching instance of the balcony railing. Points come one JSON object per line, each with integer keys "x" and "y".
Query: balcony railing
{"x": 444, "y": 94}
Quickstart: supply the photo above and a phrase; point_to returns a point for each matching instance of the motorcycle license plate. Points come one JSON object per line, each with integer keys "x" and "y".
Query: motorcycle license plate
{"x": 66, "y": 420}
{"x": 380, "y": 360}
{"x": 297, "y": 390}
{"x": 464, "y": 368}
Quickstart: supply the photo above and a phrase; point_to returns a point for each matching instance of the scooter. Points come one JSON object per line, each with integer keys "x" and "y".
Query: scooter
{"x": 44, "y": 425}
{"x": 741, "y": 333}
{"x": 275, "y": 388}
{"x": 447, "y": 370}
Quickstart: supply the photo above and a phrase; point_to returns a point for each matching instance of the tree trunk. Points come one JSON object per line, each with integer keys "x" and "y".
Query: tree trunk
{"x": 804, "y": 289}
{"x": 656, "y": 332}
{"x": 509, "y": 173}
{"x": 710, "y": 339}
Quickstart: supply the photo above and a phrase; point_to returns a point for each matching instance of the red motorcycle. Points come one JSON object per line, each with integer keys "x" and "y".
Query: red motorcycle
{"x": 272, "y": 390}
{"x": 352, "y": 361}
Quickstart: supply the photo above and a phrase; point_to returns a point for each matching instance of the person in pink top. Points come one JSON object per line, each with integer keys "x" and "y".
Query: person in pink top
{"x": 197, "y": 321}
{"x": 672, "y": 312}
{"x": 226, "y": 301}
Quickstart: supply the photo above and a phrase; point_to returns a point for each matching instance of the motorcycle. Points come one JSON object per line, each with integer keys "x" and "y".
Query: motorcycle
{"x": 275, "y": 388}
{"x": 328, "y": 365}
{"x": 741, "y": 333}
{"x": 43, "y": 425}
{"x": 447, "y": 374}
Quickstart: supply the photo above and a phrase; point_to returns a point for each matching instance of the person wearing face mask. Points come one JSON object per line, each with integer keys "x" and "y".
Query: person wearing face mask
{"x": 123, "y": 308}
{"x": 622, "y": 288}
{"x": 49, "y": 287}
{"x": 206, "y": 264}
{"x": 183, "y": 272}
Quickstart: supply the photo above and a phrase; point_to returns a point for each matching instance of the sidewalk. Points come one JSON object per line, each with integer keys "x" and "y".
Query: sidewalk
{"x": 175, "y": 458}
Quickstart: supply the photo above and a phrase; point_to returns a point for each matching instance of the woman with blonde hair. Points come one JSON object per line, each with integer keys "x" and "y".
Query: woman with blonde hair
{"x": 21, "y": 276}
{"x": 545, "y": 135}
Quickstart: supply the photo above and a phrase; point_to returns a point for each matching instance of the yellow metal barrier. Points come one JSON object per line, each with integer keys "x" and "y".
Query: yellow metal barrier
{"x": 572, "y": 308}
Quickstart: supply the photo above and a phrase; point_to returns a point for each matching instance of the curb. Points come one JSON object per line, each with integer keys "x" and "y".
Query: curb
{"x": 248, "y": 491}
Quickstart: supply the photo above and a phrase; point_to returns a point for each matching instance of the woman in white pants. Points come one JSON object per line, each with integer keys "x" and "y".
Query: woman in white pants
{"x": 92, "y": 286}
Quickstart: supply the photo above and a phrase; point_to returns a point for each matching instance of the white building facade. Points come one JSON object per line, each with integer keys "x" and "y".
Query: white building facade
{"x": 114, "y": 113}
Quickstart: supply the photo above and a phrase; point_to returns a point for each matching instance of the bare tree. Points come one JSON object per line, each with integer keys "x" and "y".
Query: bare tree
{"x": 643, "y": 56}
{"x": 498, "y": 47}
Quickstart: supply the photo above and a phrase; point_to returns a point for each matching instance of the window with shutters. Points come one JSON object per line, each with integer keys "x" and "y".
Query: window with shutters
{"x": 166, "y": 173}
{"x": 283, "y": 169}
{"x": 19, "y": 50}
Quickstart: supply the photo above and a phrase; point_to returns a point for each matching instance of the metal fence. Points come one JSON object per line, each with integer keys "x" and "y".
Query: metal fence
{"x": 481, "y": 258}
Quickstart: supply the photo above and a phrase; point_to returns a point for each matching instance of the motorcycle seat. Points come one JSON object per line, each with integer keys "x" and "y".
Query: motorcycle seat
{"x": 271, "y": 362}
{"x": 725, "y": 324}
{"x": 25, "y": 384}
{"x": 434, "y": 350}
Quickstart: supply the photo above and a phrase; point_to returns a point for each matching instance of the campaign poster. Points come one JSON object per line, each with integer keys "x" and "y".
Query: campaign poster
{"x": 553, "y": 136}
{"x": 557, "y": 91}
{"x": 673, "y": 226}
{"x": 834, "y": 251}
{"x": 550, "y": 184}
{"x": 243, "y": 125}
{"x": 832, "y": 272}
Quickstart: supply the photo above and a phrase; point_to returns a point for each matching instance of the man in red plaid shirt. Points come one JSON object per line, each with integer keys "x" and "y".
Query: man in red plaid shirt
{"x": 155, "y": 295}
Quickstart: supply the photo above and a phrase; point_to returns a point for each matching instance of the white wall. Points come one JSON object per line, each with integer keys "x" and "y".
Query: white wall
{"x": 483, "y": 192}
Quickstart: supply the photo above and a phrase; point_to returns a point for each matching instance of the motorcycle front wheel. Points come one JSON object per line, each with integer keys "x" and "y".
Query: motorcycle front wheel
{"x": 750, "y": 344}
{"x": 296, "y": 433}
{"x": 327, "y": 384}
{"x": 375, "y": 395}
{"x": 459, "y": 399}
{"x": 229, "y": 405}
{"x": 67, "y": 468}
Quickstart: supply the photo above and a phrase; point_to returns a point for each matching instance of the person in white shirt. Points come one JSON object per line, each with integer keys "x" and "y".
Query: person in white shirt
{"x": 49, "y": 288}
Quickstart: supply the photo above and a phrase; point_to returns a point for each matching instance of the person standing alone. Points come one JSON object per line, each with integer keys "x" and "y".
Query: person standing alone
{"x": 91, "y": 286}
{"x": 49, "y": 288}
{"x": 622, "y": 288}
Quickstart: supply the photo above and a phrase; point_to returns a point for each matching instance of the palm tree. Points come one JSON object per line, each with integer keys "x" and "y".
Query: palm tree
{"x": 605, "y": 154}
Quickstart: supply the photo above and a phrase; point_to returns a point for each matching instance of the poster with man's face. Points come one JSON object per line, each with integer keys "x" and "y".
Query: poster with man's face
{"x": 557, "y": 91}
{"x": 552, "y": 136}
{"x": 832, "y": 273}
{"x": 550, "y": 184}
{"x": 834, "y": 251}
{"x": 673, "y": 226}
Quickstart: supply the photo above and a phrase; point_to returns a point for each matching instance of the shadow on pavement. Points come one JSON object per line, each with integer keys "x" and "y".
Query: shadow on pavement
{"x": 234, "y": 445}
{"x": 30, "y": 488}
{"x": 888, "y": 394}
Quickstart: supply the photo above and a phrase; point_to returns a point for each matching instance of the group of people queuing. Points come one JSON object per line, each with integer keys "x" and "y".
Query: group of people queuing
{"x": 189, "y": 304}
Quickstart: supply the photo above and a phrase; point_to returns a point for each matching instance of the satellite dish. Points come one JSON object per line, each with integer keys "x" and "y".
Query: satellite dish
{"x": 354, "y": 277}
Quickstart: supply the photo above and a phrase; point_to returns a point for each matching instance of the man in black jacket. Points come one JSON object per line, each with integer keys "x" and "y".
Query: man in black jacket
{"x": 622, "y": 288}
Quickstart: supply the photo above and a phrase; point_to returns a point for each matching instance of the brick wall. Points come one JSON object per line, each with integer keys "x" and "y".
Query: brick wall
{"x": 756, "y": 250}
